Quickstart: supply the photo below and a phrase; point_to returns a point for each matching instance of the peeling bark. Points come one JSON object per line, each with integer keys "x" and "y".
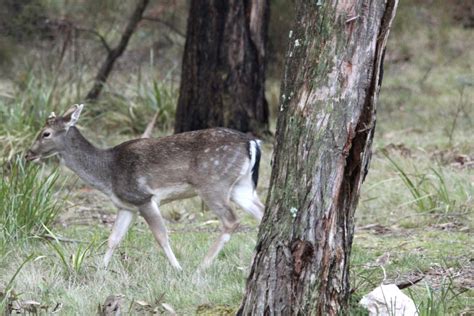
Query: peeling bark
{"x": 223, "y": 74}
{"x": 322, "y": 153}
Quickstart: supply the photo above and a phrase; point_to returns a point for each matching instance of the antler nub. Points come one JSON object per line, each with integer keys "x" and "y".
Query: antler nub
{"x": 52, "y": 115}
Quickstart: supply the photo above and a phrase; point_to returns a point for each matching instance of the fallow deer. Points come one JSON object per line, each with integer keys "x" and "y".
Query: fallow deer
{"x": 219, "y": 165}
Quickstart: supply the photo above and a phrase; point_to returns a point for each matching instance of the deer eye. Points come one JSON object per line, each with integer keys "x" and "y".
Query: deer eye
{"x": 46, "y": 134}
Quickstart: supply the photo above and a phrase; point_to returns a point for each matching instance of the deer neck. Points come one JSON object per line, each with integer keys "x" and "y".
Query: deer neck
{"x": 91, "y": 164}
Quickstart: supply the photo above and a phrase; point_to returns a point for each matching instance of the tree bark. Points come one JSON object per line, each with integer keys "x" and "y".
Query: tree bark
{"x": 223, "y": 72}
{"x": 117, "y": 51}
{"x": 325, "y": 129}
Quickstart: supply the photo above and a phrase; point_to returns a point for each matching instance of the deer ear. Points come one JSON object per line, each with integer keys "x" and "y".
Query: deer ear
{"x": 72, "y": 115}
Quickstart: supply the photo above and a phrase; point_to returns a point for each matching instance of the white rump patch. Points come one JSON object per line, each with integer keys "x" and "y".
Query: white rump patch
{"x": 245, "y": 196}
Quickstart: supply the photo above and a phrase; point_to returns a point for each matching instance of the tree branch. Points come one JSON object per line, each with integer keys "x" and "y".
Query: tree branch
{"x": 117, "y": 51}
{"x": 97, "y": 34}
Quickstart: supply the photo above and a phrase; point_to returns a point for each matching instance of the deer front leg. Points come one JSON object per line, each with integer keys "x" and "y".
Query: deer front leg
{"x": 152, "y": 216}
{"x": 120, "y": 228}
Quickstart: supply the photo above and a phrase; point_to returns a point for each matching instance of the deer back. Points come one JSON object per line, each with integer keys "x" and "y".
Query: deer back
{"x": 180, "y": 164}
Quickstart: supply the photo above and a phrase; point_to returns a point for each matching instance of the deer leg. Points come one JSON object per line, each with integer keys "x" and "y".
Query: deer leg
{"x": 253, "y": 207}
{"x": 229, "y": 223}
{"x": 244, "y": 195}
{"x": 152, "y": 215}
{"x": 119, "y": 229}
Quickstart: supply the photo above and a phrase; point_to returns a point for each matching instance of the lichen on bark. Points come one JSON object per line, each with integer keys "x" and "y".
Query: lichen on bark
{"x": 322, "y": 152}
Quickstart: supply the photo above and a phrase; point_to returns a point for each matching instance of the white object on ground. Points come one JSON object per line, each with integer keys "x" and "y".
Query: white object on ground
{"x": 388, "y": 300}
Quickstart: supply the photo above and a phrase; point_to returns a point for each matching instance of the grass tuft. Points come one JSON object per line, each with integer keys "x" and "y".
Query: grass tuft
{"x": 428, "y": 190}
{"x": 436, "y": 302}
{"x": 28, "y": 201}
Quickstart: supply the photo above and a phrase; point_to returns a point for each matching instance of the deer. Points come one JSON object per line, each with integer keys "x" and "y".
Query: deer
{"x": 219, "y": 165}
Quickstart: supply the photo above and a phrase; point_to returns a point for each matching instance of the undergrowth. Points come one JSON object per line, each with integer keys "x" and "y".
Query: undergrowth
{"x": 428, "y": 189}
{"x": 29, "y": 203}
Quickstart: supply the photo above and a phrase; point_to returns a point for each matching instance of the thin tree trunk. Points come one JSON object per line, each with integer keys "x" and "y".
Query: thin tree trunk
{"x": 323, "y": 148}
{"x": 117, "y": 51}
{"x": 223, "y": 74}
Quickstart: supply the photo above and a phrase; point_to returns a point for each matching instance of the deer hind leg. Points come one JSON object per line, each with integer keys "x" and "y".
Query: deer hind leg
{"x": 244, "y": 195}
{"x": 152, "y": 215}
{"x": 121, "y": 225}
{"x": 222, "y": 209}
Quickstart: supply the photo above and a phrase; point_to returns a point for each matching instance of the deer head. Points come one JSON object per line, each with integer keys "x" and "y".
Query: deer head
{"x": 50, "y": 139}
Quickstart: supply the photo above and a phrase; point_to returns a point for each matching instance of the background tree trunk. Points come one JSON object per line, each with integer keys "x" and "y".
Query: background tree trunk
{"x": 323, "y": 148}
{"x": 223, "y": 74}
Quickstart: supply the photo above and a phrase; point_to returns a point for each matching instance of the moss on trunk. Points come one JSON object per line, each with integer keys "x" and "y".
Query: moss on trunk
{"x": 322, "y": 152}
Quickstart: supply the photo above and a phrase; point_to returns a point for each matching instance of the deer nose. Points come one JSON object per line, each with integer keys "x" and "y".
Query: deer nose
{"x": 30, "y": 155}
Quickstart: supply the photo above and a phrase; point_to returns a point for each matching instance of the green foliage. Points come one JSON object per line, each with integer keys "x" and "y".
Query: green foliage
{"x": 28, "y": 202}
{"x": 436, "y": 301}
{"x": 23, "y": 113}
{"x": 37, "y": 93}
{"x": 134, "y": 107}
{"x": 429, "y": 190}
{"x": 72, "y": 261}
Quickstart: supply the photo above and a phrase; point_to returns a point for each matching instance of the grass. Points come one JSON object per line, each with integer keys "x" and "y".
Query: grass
{"x": 73, "y": 261}
{"x": 437, "y": 303}
{"x": 416, "y": 205}
{"x": 134, "y": 108}
{"x": 429, "y": 190}
{"x": 29, "y": 203}
{"x": 140, "y": 272}
{"x": 7, "y": 293}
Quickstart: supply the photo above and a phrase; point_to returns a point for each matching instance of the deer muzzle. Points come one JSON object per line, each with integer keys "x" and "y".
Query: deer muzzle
{"x": 31, "y": 156}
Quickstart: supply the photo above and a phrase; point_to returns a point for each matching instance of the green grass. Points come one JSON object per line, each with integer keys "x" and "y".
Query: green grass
{"x": 439, "y": 255}
{"x": 72, "y": 261}
{"x": 29, "y": 202}
{"x": 429, "y": 189}
{"x": 140, "y": 272}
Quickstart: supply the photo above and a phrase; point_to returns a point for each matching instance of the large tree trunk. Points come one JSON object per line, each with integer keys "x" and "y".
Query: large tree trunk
{"x": 223, "y": 74}
{"x": 323, "y": 148}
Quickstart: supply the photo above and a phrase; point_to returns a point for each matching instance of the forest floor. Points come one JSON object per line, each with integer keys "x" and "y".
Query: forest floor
{"x": 435, "y": 245}
{"x": 415, "y": 216}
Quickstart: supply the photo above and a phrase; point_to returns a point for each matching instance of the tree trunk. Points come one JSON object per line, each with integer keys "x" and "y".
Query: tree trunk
{"x": 223, "y": 74}
{"x": 117, "y": 51}
{"x": 323, "y": 147}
